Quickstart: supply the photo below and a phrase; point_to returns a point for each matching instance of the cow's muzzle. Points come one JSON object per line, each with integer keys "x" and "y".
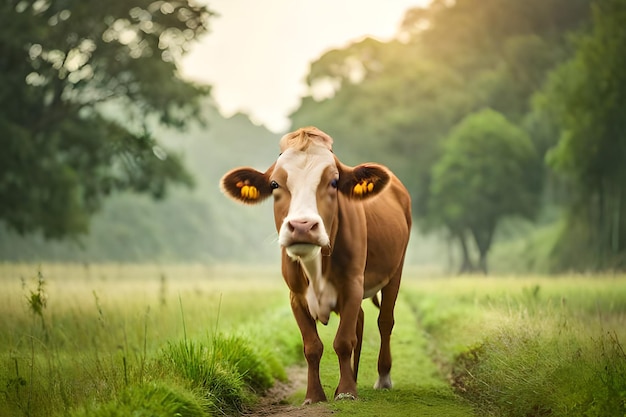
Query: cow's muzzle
{"x": 303, "y": 237}
{"x": 302, "y": 229}
{"x": 303, "y": 251}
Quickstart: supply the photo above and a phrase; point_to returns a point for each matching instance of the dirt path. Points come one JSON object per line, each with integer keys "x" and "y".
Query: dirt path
{"x": 276, "y": 402}
{"x": 418, "y": 386}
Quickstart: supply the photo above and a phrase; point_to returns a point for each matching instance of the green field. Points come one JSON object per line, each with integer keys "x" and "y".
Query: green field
{"x": 193, "y": 340}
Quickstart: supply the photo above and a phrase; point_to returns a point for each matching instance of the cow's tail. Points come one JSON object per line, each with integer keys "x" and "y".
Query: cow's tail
{"x": 376, "y": 301}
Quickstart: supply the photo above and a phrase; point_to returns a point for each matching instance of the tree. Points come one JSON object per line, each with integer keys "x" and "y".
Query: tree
{"x": 82, "y": 83}
{"x": 397, "y": 100}
{"x": 389, "y": 104}
{"x": 191, "y": 225}
{"x": 586, "y": 96}
{"x": 485, "y": 174}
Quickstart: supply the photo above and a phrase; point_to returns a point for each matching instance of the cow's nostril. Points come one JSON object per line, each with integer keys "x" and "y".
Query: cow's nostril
{"x": 302, "y": 226}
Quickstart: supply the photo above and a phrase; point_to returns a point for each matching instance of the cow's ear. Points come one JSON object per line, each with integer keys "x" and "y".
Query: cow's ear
{"x": 363, "y": 181}
{"x": 247, "y": 185}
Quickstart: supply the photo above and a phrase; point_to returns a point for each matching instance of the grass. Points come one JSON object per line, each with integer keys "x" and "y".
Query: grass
{"x": 148, "y": 400}
{"x": 76, "y": 338}
{"x": 157, "y": 340}
{"x": 214, "y": 371}
{"x": 530, "y": 346}
{"x": 418, "y": 388}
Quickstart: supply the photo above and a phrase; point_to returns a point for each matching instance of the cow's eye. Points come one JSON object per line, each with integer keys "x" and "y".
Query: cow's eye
{"x": 274, "y": 185}
{"x": 334, "y": 182}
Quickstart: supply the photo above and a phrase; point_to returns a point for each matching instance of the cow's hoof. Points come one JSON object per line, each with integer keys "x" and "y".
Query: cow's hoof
{"x": 384, "y": 382}
{"x": 345, "y": 396}
{"x": 310, "y": 401}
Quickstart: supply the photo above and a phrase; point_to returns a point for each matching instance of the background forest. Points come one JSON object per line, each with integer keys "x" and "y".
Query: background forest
{"x": 504, "y": 118}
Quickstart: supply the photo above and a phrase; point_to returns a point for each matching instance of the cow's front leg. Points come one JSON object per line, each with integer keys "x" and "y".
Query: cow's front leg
{"x": 345, "y": 343}
{"x": 313, "y": 349}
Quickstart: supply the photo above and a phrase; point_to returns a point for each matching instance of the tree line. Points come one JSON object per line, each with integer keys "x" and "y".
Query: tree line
{"x": 488, "y": 110}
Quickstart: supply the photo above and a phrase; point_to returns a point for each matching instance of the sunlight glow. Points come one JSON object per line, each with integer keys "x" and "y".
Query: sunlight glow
{"x": 257, "y": 54}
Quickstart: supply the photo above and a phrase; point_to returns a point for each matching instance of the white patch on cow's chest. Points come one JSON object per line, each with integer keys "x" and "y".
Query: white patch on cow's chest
{"x": 305, "y": 170}
{"x": 321, "y": 295}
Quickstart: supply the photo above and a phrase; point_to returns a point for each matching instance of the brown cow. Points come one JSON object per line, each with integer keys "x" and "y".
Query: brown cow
{"x": 343, "y": 232}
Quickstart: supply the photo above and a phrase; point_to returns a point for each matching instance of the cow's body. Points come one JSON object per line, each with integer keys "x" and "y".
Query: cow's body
{"x": 343, "y": 233}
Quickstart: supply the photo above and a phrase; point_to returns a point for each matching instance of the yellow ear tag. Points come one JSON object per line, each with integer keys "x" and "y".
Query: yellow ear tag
{"x": 363, "y": 187}
{"x": 249, "y": 191}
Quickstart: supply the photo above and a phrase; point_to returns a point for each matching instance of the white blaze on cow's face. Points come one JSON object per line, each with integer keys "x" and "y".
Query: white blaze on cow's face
{"x": 304, "y": 187}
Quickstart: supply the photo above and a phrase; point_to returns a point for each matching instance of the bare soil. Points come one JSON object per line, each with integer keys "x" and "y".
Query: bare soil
{"x": 275, "y": 402}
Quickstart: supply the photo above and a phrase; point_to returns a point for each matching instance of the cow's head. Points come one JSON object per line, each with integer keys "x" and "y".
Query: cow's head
{"x": 305, "y": 182}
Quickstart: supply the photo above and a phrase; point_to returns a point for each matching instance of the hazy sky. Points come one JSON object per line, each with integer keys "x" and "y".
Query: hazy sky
{"x": 257, "y": 54}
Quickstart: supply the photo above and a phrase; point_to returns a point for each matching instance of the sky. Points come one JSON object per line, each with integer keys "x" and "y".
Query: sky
{"x": 257, "y": 53}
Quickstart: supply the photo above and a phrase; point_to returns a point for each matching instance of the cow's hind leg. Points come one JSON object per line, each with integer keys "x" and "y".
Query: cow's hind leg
{"x": 313, "y": 349}
{"x": 385, "y": 326}
{"x": 359, "y": 342}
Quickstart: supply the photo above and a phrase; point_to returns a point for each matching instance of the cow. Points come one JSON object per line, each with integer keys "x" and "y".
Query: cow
{"x": 343, "y": 233}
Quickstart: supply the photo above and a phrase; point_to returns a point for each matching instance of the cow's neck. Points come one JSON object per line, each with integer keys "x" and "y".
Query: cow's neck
{"x": 321, "y": 295}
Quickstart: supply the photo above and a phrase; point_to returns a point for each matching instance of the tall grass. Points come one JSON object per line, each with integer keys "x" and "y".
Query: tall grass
{"x": 226, "y": 371}
{"x": 148, "y": 400}
{"x": 76, "y": 339}
{"x": 531, "y": 347}
{"x": 190, "y": 340}
{"x": 534, "y": 375}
